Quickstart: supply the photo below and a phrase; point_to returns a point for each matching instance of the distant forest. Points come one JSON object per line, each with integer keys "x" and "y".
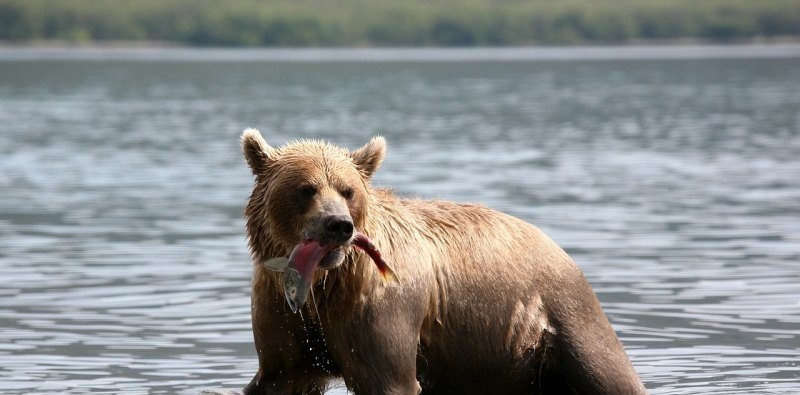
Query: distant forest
{"x": 302, "y": 23}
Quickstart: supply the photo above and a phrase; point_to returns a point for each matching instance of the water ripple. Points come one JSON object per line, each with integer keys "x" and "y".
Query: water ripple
{"x": 672, "y": 183}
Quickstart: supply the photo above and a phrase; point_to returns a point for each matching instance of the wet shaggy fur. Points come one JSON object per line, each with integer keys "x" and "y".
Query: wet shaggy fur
{"x": 486, "y": 303}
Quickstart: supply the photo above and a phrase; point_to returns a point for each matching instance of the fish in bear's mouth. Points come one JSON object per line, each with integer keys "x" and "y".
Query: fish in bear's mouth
{"x": 308, "y": 255}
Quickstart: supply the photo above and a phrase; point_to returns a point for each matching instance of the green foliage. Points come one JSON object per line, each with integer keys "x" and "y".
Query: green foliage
{"x": 395, "y": 23}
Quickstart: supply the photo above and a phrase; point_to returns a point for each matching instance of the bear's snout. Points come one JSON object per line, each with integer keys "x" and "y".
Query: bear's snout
{"x": 338, "y": 228}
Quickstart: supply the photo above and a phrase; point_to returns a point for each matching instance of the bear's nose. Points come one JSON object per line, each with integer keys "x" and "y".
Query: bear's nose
{"x": 339, "y": 228}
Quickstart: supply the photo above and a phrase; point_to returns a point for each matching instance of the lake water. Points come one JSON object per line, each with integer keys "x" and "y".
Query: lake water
{"x": 672, "y": 176}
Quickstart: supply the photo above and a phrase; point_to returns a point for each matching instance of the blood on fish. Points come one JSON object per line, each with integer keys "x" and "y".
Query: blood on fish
{"x": 305, "y": 258}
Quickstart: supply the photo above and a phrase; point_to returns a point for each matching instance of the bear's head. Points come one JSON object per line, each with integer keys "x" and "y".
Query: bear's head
{"x": 308, "y": 191}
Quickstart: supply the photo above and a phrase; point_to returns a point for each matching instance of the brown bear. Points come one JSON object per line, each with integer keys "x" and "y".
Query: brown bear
{"x": 483, "y": 303}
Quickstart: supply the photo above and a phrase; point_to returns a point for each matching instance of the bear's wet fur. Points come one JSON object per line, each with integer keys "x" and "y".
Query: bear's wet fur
{"x": 485, "y": 302}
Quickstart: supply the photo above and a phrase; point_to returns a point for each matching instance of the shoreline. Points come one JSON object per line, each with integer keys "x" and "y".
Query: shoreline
{"x": 169, "y": 53}
{"x": 147, "y": 44}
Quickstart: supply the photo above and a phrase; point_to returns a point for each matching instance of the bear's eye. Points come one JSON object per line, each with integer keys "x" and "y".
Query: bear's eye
{"x": 346, "y": 193}
{"x": 307, "y": 191}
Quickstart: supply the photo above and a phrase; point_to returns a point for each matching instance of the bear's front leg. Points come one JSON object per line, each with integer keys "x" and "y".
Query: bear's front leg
{"x": 288, "y": 352}
{"x": 377, "y": 353}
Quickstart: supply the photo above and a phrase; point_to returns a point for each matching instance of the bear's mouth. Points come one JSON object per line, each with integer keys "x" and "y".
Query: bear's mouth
{"x": 309, "y": 255}
{"x": 333, "y": 259}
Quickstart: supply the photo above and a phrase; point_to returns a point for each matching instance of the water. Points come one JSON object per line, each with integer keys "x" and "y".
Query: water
{"x": 673, "y": 180}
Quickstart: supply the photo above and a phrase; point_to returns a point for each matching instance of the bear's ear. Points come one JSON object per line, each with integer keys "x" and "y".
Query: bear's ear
{"x": 256, "y": 150}
{"x": 369, "y": 157}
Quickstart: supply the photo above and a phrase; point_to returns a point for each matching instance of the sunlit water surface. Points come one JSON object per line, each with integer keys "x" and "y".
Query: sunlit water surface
{"x": 674, "y": 183}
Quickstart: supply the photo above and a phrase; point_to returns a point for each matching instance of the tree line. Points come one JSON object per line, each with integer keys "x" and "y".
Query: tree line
{"x": 301, "y": 23}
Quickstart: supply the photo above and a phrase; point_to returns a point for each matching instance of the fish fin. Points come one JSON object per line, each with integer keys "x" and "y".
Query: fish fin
{"x": 388, "y": 275}
{"x": 278, "y": 264}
